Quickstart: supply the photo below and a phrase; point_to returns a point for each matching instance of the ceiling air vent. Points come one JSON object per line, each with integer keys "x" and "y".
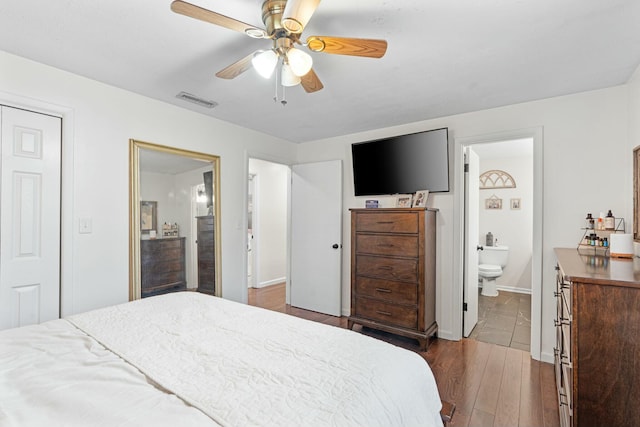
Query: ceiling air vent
{"x": 196, "y": 100}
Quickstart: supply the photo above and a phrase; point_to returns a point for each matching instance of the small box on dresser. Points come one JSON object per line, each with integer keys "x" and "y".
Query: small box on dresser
{"x": 597, "y": 353}
{"x": 393, "y": 277}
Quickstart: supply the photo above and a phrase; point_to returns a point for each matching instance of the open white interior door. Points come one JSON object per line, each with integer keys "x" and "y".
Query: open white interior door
{"x": 316, "y": 236}
{"x": 471, "y": 233}
{"x": 29, "y": 217}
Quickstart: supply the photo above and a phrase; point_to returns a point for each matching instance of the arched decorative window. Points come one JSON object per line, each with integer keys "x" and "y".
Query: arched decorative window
{"x": 496, "y": 179}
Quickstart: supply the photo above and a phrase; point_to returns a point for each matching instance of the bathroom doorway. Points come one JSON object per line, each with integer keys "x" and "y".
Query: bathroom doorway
{"x": 503, "y": 200}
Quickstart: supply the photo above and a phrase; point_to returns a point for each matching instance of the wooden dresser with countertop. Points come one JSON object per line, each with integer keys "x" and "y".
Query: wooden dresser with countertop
{"x": 162, "y": 264}
{"x": 393, "y": 271}
{"x": 597, "y": 352}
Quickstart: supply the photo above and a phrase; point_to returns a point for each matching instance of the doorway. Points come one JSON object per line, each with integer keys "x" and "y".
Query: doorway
{"x": 531, "y": 270}
{"x": 506, "y": 182}
{"x": 267, "y": 224}
{"x": 311, "y": 228}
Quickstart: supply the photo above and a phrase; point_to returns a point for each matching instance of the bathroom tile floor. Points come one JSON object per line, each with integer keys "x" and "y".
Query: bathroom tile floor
{"x": 504, "y": 320}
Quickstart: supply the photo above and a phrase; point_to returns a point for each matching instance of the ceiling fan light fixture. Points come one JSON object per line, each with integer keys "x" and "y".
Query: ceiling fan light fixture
{"x": 288, "y": 77}
{"x": 299, "y": 61}
{"x": 265, "y": 62}
{"x": 297, "y": 13}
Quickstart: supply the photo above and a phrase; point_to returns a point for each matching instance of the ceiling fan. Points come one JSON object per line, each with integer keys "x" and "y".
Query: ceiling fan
{"x": 284, "y": 22}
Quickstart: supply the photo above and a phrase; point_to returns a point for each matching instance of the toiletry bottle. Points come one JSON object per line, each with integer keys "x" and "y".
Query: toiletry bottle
{"x": 589, "y": 220}
{"x": 609, "y": 221}
{"x": 489, "y": 241}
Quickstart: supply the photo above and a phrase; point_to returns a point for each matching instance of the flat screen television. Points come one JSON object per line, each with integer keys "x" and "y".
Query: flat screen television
{"x": 402, "y": 164}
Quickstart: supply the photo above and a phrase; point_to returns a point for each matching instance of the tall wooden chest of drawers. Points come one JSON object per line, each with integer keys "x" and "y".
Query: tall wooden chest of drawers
{"x": 597, "y": 352}
{"x": 206, "y": 258}
{"x": 162, "y": 264}
{"x": 393, "y": 276}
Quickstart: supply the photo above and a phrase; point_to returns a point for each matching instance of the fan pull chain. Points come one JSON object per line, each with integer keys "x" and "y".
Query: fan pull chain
{"x": 278, "y": 80}
{"x": 275, "y": 97}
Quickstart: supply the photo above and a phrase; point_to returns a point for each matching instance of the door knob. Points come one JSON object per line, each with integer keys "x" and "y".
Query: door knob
{"x": 335, "y": 246}
{"x": 480, "y": 248}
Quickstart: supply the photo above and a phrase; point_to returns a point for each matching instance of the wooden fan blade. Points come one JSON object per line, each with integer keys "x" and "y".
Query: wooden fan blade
{"x": 237, "y": 68}
{"x": 197, "y": 12}
{"x": 370, "y": 48}
{"x": 310, "y": 82}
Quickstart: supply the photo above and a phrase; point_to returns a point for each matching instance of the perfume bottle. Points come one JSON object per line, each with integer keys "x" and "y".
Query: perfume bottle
{"x": 609, "y": 221}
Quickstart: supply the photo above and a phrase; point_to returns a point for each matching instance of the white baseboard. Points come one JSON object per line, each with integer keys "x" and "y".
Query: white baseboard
{"x": 271, "y": 282}
{"x": 513, "y": 289}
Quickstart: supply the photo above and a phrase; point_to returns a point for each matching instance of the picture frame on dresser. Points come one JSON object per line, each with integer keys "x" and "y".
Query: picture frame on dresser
{"x": 420, "y": 199}
{"x": 404, "y": 200}
{"x": 148, "y": 216}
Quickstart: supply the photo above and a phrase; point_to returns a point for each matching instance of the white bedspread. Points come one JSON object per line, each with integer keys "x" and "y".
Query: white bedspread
{"x": 246, "y": 366}
{"x": 188, "y": 359}
{"x": 54, "y": 375}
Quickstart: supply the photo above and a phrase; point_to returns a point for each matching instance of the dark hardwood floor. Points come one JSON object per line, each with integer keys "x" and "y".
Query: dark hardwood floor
{"x": 491, "y": 385}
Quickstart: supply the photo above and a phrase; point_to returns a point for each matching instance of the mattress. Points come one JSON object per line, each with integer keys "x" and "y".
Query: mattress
{"x": 192, "y": 359}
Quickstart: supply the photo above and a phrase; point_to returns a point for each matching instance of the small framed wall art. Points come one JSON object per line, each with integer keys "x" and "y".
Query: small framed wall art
{"x": 515, "y": 204}
{"x": 493, "y": 202}
{"x": 148, "y": 216}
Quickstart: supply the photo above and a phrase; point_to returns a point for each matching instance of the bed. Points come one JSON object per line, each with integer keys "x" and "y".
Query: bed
{"x": 188, "y": 359}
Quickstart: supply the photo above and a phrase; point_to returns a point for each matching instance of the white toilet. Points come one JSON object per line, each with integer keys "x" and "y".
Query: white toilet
{"x": 492, "y": 259}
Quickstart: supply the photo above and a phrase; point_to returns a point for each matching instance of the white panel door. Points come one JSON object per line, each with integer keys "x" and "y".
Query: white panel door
{"x": 30, "y": 154}
{"x": 471, "y": 233}
{"x": 316, "y": 236}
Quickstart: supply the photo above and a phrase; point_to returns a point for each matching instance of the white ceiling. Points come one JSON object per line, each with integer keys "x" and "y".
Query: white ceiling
{"x": 444, "y": 57}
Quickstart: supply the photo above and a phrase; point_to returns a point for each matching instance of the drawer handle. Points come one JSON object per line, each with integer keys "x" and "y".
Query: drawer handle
{"x": 385, "y": 222}
{"x": 386, "y": 267}
{"x": 387, "y": 291}
{"x": 385, "y": 313}
{"x": 385, "y": 245}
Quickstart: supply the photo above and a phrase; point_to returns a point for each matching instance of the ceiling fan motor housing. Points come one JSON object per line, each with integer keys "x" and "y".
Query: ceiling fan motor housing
{"x": 272, "y": 15}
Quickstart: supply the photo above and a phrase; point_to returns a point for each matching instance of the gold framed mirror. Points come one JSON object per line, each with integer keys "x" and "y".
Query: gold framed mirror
{"x": 636, "y": 193}
{"x": 182, "y": 249}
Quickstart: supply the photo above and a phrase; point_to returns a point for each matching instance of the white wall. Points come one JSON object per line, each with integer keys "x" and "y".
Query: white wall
{"x": 512, "y": 228}
{"x": 270, "y": 228}
{"x": 577, "y": 129}
{"x": 98, "y": 122}
{"x": 160, "y": 188}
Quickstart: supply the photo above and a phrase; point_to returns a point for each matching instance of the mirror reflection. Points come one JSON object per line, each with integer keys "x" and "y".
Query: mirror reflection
{"x": 173, "y": 221}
